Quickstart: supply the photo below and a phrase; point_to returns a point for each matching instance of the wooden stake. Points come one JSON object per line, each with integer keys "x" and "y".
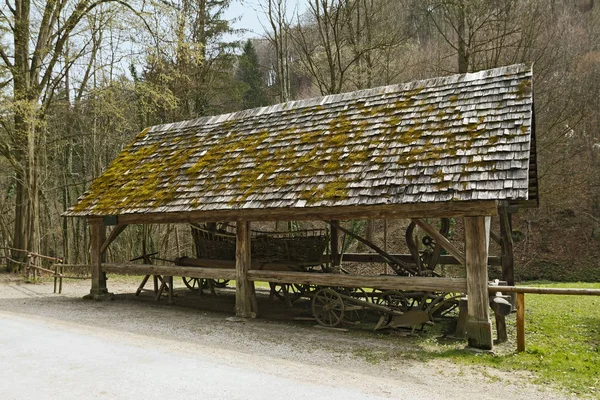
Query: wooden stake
{"x": 479, "y": 325}
{"x": 243, "y": 294}
{"x": 520, "y": 322}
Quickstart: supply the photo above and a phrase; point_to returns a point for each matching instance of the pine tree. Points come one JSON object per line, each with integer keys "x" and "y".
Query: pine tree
{"x": 249, "y": 73}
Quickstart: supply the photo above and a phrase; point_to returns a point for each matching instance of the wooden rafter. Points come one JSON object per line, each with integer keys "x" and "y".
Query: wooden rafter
{"x": 441, "y": 240}
{"x": 113, "y": 235}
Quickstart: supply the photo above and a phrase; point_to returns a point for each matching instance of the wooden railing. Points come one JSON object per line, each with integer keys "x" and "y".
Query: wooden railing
{"x": 521, "y": 290}
{"x": 30, "y": 266}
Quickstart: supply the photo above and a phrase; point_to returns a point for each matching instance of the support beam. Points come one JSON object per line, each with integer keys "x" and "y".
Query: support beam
{"x": 169, "y": 270}
{"x": 116, "y": 231}
{"x": 441, "y": 240}
{"x": 479, "y": 325}
{"x": 445, "y": 259}
{"x": 387, "y": 282}
{"x": 506, "y": 245}
{"x": 243, "y": 293}
{"x": 98, "y": 237}
{"x": 324, "y": 213}
{"x": 335, "y": 244}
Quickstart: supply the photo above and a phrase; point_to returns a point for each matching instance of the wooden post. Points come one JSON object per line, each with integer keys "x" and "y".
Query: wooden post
{"x": 98, "y": 237}
{"x": 335, "y": 243}
{"x": 506, "y": 244}
{"x": 520, "y": 322}
{"x": 479, "y": 325}
{"x": 243, "y": 293}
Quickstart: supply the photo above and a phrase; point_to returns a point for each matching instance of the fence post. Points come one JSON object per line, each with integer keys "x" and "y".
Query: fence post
{"x": 520, "y": 322}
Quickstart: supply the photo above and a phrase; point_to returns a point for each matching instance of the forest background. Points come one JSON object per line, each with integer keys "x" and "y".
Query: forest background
{"x": 79, "y": 78}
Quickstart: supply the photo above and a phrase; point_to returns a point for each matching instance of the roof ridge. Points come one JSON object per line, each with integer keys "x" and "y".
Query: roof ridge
{"x": 334, "y": 98}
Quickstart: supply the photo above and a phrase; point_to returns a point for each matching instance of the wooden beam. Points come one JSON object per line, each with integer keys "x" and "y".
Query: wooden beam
{"x": 376, "y": 258}
{"x": 97, "y": 237}
{"x": 243, "y": 289}
{"x": 441, "y": 240}
{"x": 335, "y": 243}
{"x": 507, "y": 247}
{"x": 116, "y": 231}
{"x": 543, "y": 290}
{"x": 206, "y": 263}
{"x": 386, "y": 282}
{"x": 390, "y": 211}
{"x": 169, "y": 270}
{"x": 479, "y": 325}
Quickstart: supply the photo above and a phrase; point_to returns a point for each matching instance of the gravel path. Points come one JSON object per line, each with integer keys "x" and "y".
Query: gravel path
{"x": 59, "y": 346}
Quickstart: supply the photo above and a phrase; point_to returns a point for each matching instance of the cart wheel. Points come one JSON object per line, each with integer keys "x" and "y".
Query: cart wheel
{"x": 193, "y": 284}
{"x": 446, "y": 305}
{"x": 395, "y": 300}
{"x": 356, "y": 312}
{"x": 279, "y": 291}
{"x": 328, "y": 307}
{"x": 220, "y": 283}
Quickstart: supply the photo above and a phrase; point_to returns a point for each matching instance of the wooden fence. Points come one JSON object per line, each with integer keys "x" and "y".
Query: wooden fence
{"x": 522, "y": 290}
{"x": 30, "y": 267}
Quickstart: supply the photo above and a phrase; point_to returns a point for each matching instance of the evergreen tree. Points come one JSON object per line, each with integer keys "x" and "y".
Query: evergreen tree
{"x": 249, "y": 73}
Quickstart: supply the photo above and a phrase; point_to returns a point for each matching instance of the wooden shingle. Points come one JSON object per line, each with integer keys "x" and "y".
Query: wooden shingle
{"x": 450, "y": 139}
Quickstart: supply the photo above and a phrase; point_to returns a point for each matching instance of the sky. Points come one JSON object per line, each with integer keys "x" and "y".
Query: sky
{"x": 252, "y": 16}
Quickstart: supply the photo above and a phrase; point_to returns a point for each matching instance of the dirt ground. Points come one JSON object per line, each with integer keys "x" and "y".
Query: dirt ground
{"x": 289, "y": 356}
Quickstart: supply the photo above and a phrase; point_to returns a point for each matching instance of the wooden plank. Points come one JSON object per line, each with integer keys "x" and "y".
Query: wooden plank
{"x": 201, "y": 262}
{"x": 97, "y": 237}
{"x": 376, "y": 258}
{"x": 169, "y": 270}
{"x": 540, "y": 290}
{"x": 441, "y": 240}
{"x": 387, "y": 282}
{"x": 520, "y": 322}
{"x": 243, "y": 289}
{"x": 479, "y": 325}
{"x": 390, "y": 211}
{"x": 116, "y": 231}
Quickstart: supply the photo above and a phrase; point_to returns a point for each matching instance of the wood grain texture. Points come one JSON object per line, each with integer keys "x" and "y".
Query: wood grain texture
{"x": 479, "y": 325}
{"x": 169, "y": 270}
{"x": 387, "y": 282}
{"x": 243, "y": 288}
{"x": 520, "y": 322}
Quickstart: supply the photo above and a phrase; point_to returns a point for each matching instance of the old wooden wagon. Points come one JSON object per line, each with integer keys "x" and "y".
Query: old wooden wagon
{"x": 461, "y": 146}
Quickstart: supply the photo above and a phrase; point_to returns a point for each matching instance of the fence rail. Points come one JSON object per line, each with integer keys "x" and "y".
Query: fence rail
{"x": 57, "y": 267}
{"x": 522, "y": 290}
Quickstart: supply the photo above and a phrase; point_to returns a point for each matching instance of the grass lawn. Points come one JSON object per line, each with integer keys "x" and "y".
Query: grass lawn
{"x": 562, "y": 336}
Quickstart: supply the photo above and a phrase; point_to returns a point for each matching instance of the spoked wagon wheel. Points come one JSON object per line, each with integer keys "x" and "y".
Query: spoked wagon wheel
{"x": 328, "y": 307}
{"x": 220, "y": 283}
{"x": 394, "y": 299}
{"x": 356, "y": 312}
{"x": 194, "y": 284}
{"x": 445, "y": 305}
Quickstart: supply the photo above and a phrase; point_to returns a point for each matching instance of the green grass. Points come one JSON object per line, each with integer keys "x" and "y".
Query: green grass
{"x": 562, "y": 336}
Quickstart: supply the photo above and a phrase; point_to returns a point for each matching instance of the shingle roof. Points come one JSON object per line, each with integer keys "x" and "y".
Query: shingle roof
{"x": 455, "y": 138}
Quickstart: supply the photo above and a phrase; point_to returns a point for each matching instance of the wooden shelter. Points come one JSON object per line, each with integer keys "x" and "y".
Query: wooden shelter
{"x": 455, "y": 146}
